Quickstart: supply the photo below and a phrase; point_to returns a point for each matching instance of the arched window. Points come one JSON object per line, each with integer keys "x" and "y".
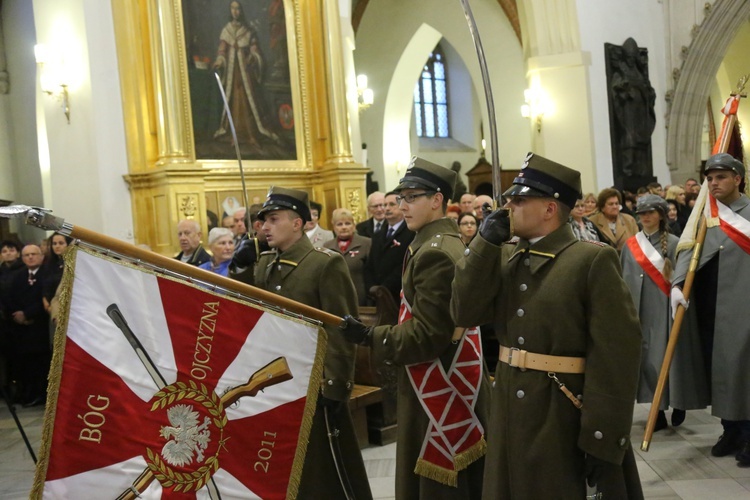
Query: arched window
{"x": 431, "y": 98}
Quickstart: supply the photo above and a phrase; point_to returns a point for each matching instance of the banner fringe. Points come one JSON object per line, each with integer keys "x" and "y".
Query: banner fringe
{"x": 436, "y": 473}
{"x": 55, "y": 372}
{"x": 471, "y": 455}
{"x": 311, "y": 404}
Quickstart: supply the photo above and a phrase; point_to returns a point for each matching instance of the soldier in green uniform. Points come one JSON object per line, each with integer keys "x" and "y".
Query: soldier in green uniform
{"x": 318, "y": 277}
{"x": 562, "y": 402}
{"x": 432, "y": 460}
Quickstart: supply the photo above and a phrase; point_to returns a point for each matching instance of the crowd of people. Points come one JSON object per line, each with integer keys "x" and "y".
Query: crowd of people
{"x": 574, "y": 295}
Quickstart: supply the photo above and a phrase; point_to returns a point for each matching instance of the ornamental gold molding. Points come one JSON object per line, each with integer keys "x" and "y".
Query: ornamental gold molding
{"x": 167, "y": 178}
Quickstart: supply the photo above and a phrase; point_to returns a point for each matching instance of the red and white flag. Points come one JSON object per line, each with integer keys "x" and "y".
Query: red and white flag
{"x": 164, "y": 389}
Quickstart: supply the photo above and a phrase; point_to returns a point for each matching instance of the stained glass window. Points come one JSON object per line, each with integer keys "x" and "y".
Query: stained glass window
{"x": 431, "y": 98}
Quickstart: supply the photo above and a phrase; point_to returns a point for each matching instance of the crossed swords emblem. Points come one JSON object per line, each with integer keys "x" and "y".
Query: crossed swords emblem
{"x": 275, "y": 372}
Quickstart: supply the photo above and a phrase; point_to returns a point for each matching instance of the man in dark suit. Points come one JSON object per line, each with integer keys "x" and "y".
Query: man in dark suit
{"x": 29, "y": 328}
{"x": 389, "y": 246}
{"x": 376, "y": 209}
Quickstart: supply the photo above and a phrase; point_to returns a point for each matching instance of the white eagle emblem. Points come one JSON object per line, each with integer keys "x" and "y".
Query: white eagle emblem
{"x": 189, "y": 437}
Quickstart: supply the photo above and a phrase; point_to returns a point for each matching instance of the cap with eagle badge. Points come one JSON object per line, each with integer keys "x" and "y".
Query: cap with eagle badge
{"x": 725, "y": 161}
{"x": 280, "y": 198}
{"x": 649, "y": 202}
{"x": 422, "y": 174}
{"x": 541, "y": 177}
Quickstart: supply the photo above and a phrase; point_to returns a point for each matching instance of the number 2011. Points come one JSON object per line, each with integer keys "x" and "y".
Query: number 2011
{"x": 265, "y": 453}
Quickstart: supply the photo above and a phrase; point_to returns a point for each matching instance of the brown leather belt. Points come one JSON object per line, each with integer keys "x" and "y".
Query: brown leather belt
{"x": 525, "y": 360}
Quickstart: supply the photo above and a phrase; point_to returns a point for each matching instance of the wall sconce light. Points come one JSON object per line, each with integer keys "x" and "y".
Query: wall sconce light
{"x": 52, "y": 76}
{"x": 537, "y": 104}
{"x": 365, "y": 96}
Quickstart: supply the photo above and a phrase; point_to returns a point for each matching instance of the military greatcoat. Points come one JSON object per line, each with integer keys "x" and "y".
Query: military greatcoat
{"x": 428, "y": 273}
{"x": 729, "y": 267}
{"x": 556, "y": 297}
{"x": 687, "y": 382}
{"x": 319, "y": 278}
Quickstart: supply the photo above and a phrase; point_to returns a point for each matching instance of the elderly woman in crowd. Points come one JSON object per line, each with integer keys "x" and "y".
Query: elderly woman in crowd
{"x": 221, "y": 244}
{"x": 354, "y": 248}
{"x": 467, "y": 227}
{"x": 589, "y": 204}
{"x": 583, "y": 229}
{"x": 614, "y": 226}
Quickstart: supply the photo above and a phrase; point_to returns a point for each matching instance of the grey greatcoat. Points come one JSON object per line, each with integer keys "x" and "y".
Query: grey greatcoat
{"x": 687, "y": 388}
{"x": 319, "y": 278}
{"x": 729, "y": 267}
{"x": 559, "y": 297}
{"x": 426, "y": 336}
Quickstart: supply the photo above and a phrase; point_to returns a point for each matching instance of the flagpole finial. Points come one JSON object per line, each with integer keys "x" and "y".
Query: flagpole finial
{"x": 741, "y": 85}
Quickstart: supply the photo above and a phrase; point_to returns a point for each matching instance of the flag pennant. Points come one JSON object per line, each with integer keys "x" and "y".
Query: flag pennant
{"x": 161, "y": 388}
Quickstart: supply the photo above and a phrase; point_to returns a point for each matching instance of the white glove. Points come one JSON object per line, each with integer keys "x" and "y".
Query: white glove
{"x": 676, "y": 298}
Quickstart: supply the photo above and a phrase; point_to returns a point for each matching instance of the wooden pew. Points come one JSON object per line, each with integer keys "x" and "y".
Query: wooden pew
{"x": 373, "y": 399}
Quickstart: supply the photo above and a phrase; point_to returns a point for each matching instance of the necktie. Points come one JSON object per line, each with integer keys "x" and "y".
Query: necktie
{"x": 389, "y": 234}
{"x": 378, "y": 225}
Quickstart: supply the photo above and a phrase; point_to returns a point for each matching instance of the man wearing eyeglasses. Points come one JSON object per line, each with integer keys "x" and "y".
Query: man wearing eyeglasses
{"x": 29, "y": 328}
{"x": 441, "y": 370}
{"x": 376, "y": 209}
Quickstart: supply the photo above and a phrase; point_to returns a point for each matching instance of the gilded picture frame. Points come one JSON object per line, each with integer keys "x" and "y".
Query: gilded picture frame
{"x": 254, "y": 47}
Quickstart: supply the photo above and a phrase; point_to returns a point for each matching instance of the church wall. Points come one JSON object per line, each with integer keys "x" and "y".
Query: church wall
{"x": 87, "y": 156}
{"x": 643, "y": 20}
{"x": 19, "y": 163}
{"x": 387, "y": 28}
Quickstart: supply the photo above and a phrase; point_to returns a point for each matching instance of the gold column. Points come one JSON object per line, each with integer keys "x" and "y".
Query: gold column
{"x": 339, "y": 142}
{"x": 175, "y": 134}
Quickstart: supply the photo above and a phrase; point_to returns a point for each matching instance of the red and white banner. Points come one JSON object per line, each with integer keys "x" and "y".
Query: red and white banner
{"x": 164, "y": 389}
{"x": 455, "y": 436}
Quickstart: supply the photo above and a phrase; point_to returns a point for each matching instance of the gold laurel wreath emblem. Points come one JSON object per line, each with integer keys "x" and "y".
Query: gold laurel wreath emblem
{"x": 195, "y": 480}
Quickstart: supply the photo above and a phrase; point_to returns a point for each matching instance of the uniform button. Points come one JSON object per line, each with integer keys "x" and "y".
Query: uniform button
{"x": 330, "y": 382}
{"x": 721, "y": 247}
{"x": 349, "y": 385}
{"x": 521, "y": 340}
{"x": 437, "y": 236}
{"x": 389, "y": 363}
{"x": 598, "y": 435}
{"x": 641, "y": 276}
{"x": 278, "y": 287}
{"x": 467, "y": 251}
{"x": 523, "y": 287}
{"x": 278, "y": 267}
{"x": 520, "y": 313}
{"x": 526, "y": 262}
{"x": 622, "y": 442}
{"x": 494, "y": 382}
{"x": 520, "y": 394}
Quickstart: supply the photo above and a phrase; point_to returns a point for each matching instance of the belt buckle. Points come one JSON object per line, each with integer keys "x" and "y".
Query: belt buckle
{"x": 511, "y": 352}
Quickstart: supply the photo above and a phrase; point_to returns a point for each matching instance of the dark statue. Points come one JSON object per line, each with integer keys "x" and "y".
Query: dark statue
{"x": 632, "y": 118}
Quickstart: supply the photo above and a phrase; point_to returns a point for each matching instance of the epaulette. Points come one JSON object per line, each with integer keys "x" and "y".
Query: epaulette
{"x": 597, "y": 243}
{"x": 326, "y": 251}
{"x": 436, "y": 241}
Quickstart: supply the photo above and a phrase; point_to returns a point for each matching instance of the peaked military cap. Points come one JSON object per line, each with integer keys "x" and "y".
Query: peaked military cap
{"x": 649, "y": 202}
{"x": 280, "y": 198}
{"x": 545, "y": 178}
{"x": 427, "y": 175}
{"x": 725, "y": 161}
